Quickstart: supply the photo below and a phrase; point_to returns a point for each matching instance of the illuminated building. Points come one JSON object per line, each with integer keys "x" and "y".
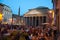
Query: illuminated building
{"x": 36, "y": 16}
{"x": 6, "y": 12}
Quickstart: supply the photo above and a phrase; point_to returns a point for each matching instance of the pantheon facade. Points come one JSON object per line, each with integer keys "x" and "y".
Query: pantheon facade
{"x": 36, "y": 17}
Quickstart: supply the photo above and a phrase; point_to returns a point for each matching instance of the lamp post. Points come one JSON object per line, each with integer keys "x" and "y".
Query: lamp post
{"x": 51, "y": 17}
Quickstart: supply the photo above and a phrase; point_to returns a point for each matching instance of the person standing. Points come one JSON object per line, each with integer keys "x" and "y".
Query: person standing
{"x": 55, "y": 32}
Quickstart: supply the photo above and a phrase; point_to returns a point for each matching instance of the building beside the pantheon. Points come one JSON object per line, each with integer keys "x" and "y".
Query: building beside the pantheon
{"x": 36, "y": 16}
{"x": 7, "y": 14}
{"x": 17, "y": 19}
{"x": 56, "y": 7}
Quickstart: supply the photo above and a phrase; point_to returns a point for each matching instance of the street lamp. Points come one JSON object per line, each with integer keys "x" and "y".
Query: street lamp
{"x": 52, "y": 13}
{"x": 51, "y": 16}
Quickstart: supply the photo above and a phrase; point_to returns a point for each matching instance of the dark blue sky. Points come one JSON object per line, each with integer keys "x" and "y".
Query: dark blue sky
{"x": 26, "y": 4}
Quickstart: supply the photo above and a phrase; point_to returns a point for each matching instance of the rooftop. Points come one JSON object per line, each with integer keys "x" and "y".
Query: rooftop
{"x": 3, "y": 5}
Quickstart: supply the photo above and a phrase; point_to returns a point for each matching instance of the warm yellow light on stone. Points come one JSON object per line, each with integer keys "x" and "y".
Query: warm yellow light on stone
{"x": 53, "y": 17}
{"x": 51, "y": 14}
{"x": 1, "y": 17}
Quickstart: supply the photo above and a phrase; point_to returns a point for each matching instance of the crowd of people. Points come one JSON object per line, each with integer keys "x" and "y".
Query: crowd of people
{"x": 15, "y": 32}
